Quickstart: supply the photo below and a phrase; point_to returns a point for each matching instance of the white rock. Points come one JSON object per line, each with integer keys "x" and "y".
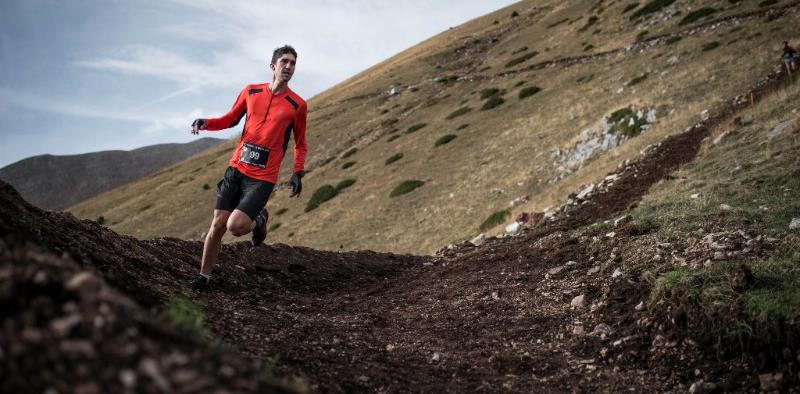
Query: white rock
{"x": 512, "y": 228}
{"x": 616, "y": 274}
{"x": 795, "y": 224}
{"x": 128, "y": 378}
{"x": 578, "y": 330}
{"x": 389, "y": 347}
{"x": 603, "y": 329}
{"x": 704, "y": 114}
{"x": 569, "y": 263}
{"x": 585, "y": 192}
{"x": 578, "y": 301}
{"x": 478, "y": 239}
{"x": 622, "y": 220}
{"x": 780, "y": 129}
{"x": 639, "y": 306}
{"x": 611, "y": 234}
{"x": 696, "y": 195}
{"x": 725, "y": 207}
{"x": 436, "y": 356}
{"x": 673, "y": 61}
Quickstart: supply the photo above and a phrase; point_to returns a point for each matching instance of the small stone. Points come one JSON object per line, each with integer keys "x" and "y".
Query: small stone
{"x": 593, "y": 270}
{"x": 622, "y": 220}
{"x": 701, "y": 387}
{"x": 795, "y": 224}
{"x": 78, "y": 348}
{"x": 611, "y": 234}
{"x": 61, "y": 327}
{"x": 696, "y": 195}
{"x": 495, "y": 296}
{"x": 555, "y": 271}
{"x": 578, "y": 301}
{"x": 478, "y": 239}
{"x": 770, "y": 381}
{"x": 603, "y": 329}
{"x": 585, "y": 192}
{"x": 578, "y": 330}
{"x": 616, "y": 274}
{"x": 389, "y": 347}
{"x": 149, "y": 367}
{"x": 513, "y": 228}
{"x": 725, "y": 207}
{"x": 571, "y": 263}
{"x": 82, "y": 280}
{"x": 128, "y": 378}
{"x": 639, "y": 306}
{"x": 363, "y": 379}
{"x": 436, "y": 357}
{"x": 719, "y": 255}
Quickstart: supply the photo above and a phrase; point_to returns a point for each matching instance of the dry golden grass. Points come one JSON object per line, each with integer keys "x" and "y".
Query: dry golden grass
{"x": 506, "y": 148}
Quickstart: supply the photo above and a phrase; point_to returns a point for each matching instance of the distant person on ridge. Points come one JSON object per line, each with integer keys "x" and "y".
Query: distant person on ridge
{"x": 273, "y": 112}
{"x": 789, "y": 58}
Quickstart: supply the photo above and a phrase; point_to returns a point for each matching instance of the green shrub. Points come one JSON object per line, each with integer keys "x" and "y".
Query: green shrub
{"x": 491, "y": 92}
{"x": 349, "y": 153}
{"x": 521, "y": 59}
{"x": 620, "y": 121}
{"x": 514, "y": 14}
{"x": 620, "y": 114}
{"x": 324, "y": 193}
{"x": 393, "y": 158}
{"x": 348, "y": 165}
{"x": 281, "y": 211}
{"x": 463, "y": 126}
{"x": 444, "y": 139}
{"x": 589, "y": 22}
{"x": 672, "y": 40}
{"x": 392, "y": 138}
{"x": 630, "y": 7}
{"x": 459, "y": 112}
{"x": 696, "y": 15}
{"x": 495, "y": 219}
{"x": 186, "y": 316}
{"x": 523, "y": 49}
{"x": 416, "y": 127}
{"x": 274, "y": 226}
{"x": 100, "y": 219}
{"x": 405, "y": 187}
{"x": 383, "y": 111}
{"x": 449, "y": 79}
{"x": 520, "y": 83}
{"x": 641, "y": 35}
{"x": 637, "y": 80}
{"x": 327, "y": 160}
{"x": 651, "y": 7}
{"x": 529, "y": 91}
{"x": 492, "y": 102}
{"x": 767, "y": 3}
{"x": 344, "y": 184}
{"x": 585, "y": 78}
{"x": 588, "y": 48}
{"x": 711, "y": 45}
{"x": 389, "y": 122}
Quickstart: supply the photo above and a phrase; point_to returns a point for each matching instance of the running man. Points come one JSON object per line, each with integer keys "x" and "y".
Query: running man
{"x": 273, "y": 112}
{"x": 789, "y": 57}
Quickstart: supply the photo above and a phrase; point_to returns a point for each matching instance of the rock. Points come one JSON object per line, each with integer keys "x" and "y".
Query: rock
{"x": 149, "y": 367}
{"x": 83, "y": 281}
{"x": 61, "y": 327}
{"x": 593, "y": 270}
{"x": 673, "y": 61}
{"x": 578, "y": 330}
{"x": 795, "y": 224}
{"x": 78, "y": 348}
{"x": 578, "y": 301}
{"x": 779, "y": 129}
{"x": 478, "y": 239}
{"x": 436, "y": 357}
{"x": 555, "y": 271}
{"x": 639, "y": 306}
{"x": 611, "y": 234}
{"x": 389, "y": 347}
{"x": 719, "y": 255}
{"x": 585, "y": 192}
{"x": 571, "y": 263}
{"x": 696, "y": 195}
{"x": 512, "y": 228}
{"x": 622, "y": 220}
{"x": 602, "y": 329}
{"x": 616, "y": 274}
{"x": 770, "y": 381}
{"x": 495, "y": 295}
{"x": 725, "y": 207}
{"x": 701, "y": 387}
{"x": 128, "y": 378}
{"x": 704, "y": 114}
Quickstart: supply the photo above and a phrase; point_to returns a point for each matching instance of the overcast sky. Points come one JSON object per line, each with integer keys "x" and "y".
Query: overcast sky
{"x": 81, "y": 76}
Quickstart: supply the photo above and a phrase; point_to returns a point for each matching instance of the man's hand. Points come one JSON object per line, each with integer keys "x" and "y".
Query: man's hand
{"x": 197, "y": 125}
{"x": 295, "y": 183}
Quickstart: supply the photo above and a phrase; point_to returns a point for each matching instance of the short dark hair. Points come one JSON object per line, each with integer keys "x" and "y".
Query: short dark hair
{"x": 278, "y": 52}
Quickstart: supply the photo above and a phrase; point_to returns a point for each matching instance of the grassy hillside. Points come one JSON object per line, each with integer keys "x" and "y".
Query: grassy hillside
{"x": 533, "y": 100}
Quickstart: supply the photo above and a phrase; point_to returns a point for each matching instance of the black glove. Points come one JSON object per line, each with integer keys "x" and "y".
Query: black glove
{"x": 198, "y": 124}
{"x": 295, "y": 183}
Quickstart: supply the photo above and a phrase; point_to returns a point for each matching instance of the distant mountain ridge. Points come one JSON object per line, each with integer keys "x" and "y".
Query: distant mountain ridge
{"x": 57, "y": 182}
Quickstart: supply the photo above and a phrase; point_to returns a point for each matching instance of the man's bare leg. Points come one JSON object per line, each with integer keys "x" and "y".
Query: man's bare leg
{"x": 239, "y": 223}
{"x": 214, "y": 241}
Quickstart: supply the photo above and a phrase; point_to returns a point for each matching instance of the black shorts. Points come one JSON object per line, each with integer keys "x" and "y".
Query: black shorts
{"x": 239, "y": 191}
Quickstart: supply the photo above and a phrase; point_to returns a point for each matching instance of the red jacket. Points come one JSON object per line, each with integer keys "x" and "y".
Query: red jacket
{"x": 271, "y": 119}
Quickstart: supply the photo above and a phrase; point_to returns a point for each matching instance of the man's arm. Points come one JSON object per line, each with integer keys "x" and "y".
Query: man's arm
{"x": 233, "y": 116}
{"x": 300, "y": 147}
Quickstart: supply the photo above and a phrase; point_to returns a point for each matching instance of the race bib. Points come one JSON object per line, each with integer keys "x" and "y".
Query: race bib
{"x": 254, "y": 155}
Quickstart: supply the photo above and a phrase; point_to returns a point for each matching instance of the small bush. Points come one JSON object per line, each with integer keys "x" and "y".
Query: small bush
{"x": 492, "y": 102}
{"x": 327, "y": 160}
{"x": 651, "y": 7}
{"x": 514, "y": 14}
{"x": 405, "y": 187}
{"x": 585, "y": 78}
{"x": 392, "y": 138}
{"x": 630, "y": 7}
{"x": 642, "y": 34}
{"x": 624, "y": 121}
{"x": 449, "y": 79}
{"x": 672, "y": 40}
{"x": 444, "y": 139}
{"x": 186, "y": 316}
{"x": 324, "y": 193}
{"x": 383, "y": 111}
{"x": 389, "y": 122}
{"x": 711, "y": 45}
{"x": 495, "y": 219}
{"x": 416, "y": 127}
{"x": 100, "y": 219}
{"x": 767, "y": 3}
{"x": 521, "y": 59}
{"x": 620, "y": 114}
{"x": 523, "y": 49}
{"x": 459, "y": 112}
{"x": 463, "y": 126}
{"x": 206, "y": 186}
{"x": 281, "y": 211}
{"x": 696, "y": 15}
{"x": 491, "y": 92}
{"x": 393, "y": 158}
{"x": 520, "y": 83}
{"x": 637, "y": 80}
{"x": 348, "y": 165}
{"x": 146, "y": 207}
{"x": 274, "y": 226}
{"x": 589, "y": 22}
{"x": 529, "y": 91}
{"x": 344, "y": 184}
{"x": 588, "y": 48}
{"x": 349, "y": 153}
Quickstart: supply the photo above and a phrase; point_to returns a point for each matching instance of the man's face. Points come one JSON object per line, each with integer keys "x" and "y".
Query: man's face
{"x": 283, "y": 68}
